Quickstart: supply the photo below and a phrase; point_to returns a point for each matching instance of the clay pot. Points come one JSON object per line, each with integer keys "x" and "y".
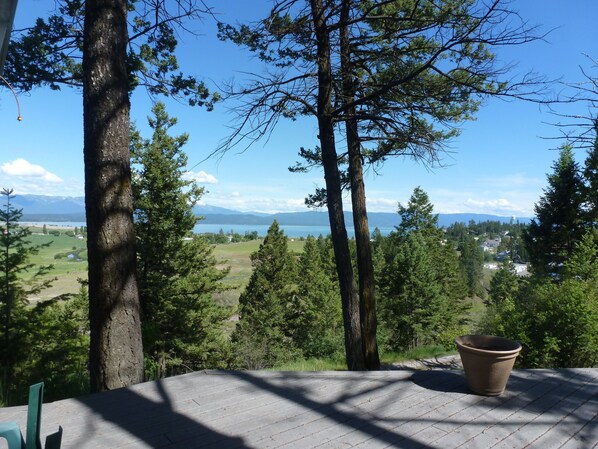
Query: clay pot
{"x": 487, "y": 361}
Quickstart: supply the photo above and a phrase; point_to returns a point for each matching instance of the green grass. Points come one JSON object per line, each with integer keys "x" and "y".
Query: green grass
{"x": 66, "y": 272}
{"x": 386, "y": 359}
{"x": 424, "y": 352}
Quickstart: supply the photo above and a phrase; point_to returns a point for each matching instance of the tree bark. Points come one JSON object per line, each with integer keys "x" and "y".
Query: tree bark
{"x": 365, "y": 265}
{"x": 350, "y": 300}
{"x": 116, "y": 353}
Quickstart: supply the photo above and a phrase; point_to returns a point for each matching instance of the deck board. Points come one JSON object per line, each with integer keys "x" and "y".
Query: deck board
{"x": 260, "y": 409}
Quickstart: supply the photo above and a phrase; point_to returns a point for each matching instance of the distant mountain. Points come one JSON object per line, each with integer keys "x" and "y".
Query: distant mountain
{"x": 213, "y": 210}
{"x": 376, "y": 219}
{"x": 60, "y": 208}
{"x": 42, "y": 204}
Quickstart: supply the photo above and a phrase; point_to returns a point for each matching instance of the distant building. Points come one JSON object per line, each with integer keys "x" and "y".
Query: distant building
{"x": 490, "y": 245}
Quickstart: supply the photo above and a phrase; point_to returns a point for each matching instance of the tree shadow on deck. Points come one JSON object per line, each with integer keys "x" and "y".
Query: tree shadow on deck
{"x": 153, "y": 421}
{"x": 567, "y": 398}
{"x": 339, "y": 410}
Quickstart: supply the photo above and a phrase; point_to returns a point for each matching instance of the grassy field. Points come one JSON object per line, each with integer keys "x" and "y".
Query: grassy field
{"x": 67, "y": 271}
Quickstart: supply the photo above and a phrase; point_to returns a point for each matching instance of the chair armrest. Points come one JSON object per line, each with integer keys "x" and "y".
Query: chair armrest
{"x": 54, "y": 440}
{"x": 11, "y": 432}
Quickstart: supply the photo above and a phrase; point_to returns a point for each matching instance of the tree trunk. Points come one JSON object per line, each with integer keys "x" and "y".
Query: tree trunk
{"x": 340, "y": 241}
{"x": 116, "y": 353}
{"x": 365, "y": 265}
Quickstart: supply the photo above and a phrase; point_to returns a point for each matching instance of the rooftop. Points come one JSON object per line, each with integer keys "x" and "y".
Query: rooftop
{"x": 262, "y": 409}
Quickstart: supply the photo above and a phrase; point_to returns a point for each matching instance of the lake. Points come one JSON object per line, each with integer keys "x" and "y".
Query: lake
{"x": 262, "y": 230}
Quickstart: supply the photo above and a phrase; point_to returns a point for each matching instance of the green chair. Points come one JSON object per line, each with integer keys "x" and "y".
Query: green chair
{"x": 11, "y": 432}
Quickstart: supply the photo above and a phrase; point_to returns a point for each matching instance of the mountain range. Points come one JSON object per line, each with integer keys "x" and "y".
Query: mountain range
{"x": 39, "y": 208}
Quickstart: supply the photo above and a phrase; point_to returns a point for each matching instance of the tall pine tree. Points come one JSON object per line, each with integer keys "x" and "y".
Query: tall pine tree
{"x": 263, "y": 336}
{"x": 559, "y": 223}
{"x": 421, "y": 284}
{"x": 315, "y": 314}
{"x": 182, "y": 325}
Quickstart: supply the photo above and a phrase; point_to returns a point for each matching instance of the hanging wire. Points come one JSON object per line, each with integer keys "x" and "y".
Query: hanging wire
{"x": 19, "y": 118}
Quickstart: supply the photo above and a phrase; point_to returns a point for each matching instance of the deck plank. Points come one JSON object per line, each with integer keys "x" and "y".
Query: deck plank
{"x": 325, "y": 410}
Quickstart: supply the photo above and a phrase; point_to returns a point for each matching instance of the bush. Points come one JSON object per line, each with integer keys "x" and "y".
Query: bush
{"x": 556, "y": 322}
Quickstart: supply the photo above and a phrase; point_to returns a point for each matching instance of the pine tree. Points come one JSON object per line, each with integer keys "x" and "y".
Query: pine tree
{"x": 177, "y": 276}
{"x": 559, "y": 223}
{"x": 58, "y": 346}
{"x": 421, "y": 284}
{"x": 418, "y": 215}
{"x": 263, "y": 336}
{"x": 315, "y": 315}
{"x": 590, "y": 174}
{"x": 14, "y": 263}
{"x": 471, "y": 261}
{"x": 504, "y": 285}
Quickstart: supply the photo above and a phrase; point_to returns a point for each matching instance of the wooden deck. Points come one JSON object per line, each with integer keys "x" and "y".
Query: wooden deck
{"x": 405, "y": 409}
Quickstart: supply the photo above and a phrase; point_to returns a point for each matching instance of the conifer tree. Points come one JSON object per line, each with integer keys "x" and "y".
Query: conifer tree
{"x": 315, "y": 316}
{"x": 471, "y": 260}
{"x": 559, "y": 223}
{"x": 504, "y": 284}
{"x": 58, "y": 346}
{"x": 417, "y": 215}
{"x": 590, "y": 174}
{"x": 14, "y": 264}
{"x": 421, "y": 284}
{"x": 263, "y": 336}
{"x": 177, "y": 277}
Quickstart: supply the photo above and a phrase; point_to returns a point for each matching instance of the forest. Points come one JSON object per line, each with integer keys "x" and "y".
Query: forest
{"x": 387, "y": 79}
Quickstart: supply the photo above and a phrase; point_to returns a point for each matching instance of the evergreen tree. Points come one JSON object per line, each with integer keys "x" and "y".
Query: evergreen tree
{"x": 400, "y": 76}
{"x": 14, "y": 264}
{"x": 583, "y": 263}
{"x": 315, "y": 316}
{"x": 420, "y": 282}
{"x": 87, "y": 44}
{"x": 590, "y": 174}
{"x": 559, "y": 223}
{"x": 263, "y": 336}
{"x": 58, "y": 347}
{"x": 418, "y": 215}
{"x": 177, "y": 277}
{"x": 504, "y": 285}
{"x": 471, "y": 261}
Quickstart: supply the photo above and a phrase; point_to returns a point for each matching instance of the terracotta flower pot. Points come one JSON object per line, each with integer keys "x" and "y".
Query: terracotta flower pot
{"x": 487, "y": 361}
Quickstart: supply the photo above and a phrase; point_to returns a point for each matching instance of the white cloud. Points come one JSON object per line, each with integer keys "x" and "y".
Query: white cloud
{"x": 498, "y": 206}
{"x": 382, "y": 204}
{"x": 20, "y": 168}
{"x": 201, "y": 177}
{"x": 500, "y": 203}
{"x": 254, "y": 203}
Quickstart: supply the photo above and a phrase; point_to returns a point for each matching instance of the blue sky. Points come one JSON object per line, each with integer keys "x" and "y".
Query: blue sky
{"x": 498, "y": 164}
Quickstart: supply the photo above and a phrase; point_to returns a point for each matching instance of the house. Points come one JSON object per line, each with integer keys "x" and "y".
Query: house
{"x": 490, "y": 245}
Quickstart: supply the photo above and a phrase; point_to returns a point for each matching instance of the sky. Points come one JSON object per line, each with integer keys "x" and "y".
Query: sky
{"x": 498, "y": 165}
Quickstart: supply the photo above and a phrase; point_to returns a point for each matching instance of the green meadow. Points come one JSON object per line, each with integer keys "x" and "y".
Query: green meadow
{"x": 67, "y": 271}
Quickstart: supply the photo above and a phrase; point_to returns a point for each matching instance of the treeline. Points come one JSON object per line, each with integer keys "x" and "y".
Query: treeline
{"x": 221, "y": 237}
